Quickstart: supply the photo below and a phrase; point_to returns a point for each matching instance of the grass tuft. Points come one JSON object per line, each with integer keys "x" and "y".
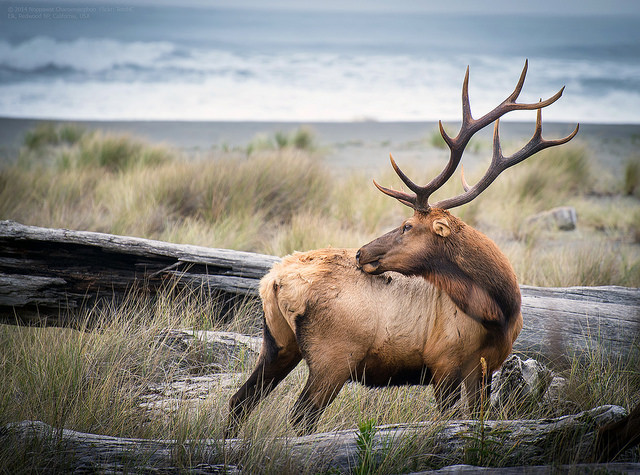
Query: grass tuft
{"x": 436, "y": 141}
{"x": 302, "y": 139}
{"x": 631, "y": 180}
{"x": 50, "y": 134}
{"x": 365, "y": 443}
{"x": 558, "y": 171}
{"x": 115, "y": 153}
{"x": 42, "y": 135}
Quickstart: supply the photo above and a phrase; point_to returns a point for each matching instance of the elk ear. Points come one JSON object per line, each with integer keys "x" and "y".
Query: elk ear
{"x": 441, "y": 227}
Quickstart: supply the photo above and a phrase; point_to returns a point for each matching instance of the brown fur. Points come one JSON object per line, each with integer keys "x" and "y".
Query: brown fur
{"x": 457, "y": 300}
{"x": 464, "y": 263}
{"x": 388, "y": 328}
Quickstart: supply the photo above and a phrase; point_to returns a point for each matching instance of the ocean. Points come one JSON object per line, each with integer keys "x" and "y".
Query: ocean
{"x": 92, "y": 62}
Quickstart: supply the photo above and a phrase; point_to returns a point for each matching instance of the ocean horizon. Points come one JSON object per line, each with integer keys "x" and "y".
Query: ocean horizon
{"x": 91, "y": 62}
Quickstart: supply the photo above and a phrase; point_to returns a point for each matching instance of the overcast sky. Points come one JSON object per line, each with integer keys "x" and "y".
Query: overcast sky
{"x": 469, "y": 6}
{"x": 565, "y": 7}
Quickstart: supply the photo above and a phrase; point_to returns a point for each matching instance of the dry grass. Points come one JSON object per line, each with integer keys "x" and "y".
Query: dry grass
{"x": 280, "y": 198}
{"x": 273, "y": 200}
{"x": 95, "y": 380}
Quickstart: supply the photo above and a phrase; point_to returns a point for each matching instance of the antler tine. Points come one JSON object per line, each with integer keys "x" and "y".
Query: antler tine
{"x": 405, "y": 179}
{"x": 510, "y": 104}
{"x": 465, "y": 185}
{"x": 470, "y": 126}
{"x": 499, "y": 162}
{"x": 420, "y": 201}
{"x": 466, "y": 105}
{"x": 405, "y": 198}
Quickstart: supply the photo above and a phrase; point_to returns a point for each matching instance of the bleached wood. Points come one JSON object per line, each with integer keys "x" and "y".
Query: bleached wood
{"x": 46, "y": 274}
{"x": 521, "y": 442}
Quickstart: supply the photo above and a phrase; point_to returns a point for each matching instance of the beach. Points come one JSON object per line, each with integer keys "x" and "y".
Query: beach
{"x": 355, "y": 146}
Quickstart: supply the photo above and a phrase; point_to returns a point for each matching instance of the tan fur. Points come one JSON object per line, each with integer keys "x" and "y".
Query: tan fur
{"x": 348, "y": 324}
{"x": 425, "y": 303}
{"x": 377, "y": 329}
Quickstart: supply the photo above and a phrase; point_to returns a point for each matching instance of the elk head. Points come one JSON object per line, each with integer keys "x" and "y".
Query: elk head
{"x": 436, "y": 244}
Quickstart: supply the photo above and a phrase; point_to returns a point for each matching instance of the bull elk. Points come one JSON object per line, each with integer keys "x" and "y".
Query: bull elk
{"x": 419, "y": 305}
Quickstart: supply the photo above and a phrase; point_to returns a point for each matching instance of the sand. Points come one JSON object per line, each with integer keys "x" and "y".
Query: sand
{"x": 362, "y": 146}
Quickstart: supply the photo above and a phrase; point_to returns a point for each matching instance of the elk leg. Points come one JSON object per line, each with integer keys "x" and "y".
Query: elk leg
{"x": 616, "y": 437}
{"x": 320, "y": 390}
{"x": 274, "y": 364}
{"x": 447, "y": 391}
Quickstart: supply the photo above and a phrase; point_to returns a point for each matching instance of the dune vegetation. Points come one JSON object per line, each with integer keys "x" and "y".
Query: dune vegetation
{"x": 275, "y": 197}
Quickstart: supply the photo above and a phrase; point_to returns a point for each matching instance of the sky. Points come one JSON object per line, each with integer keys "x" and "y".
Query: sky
{"x": 563, "y": 7}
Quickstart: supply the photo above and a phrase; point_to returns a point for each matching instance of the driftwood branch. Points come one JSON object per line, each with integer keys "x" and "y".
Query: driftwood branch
{"x": 509, "y": 443}
{"x": 47, "y": 274}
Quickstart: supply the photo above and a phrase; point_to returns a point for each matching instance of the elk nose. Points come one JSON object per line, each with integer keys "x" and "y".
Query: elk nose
{"x": 358, "y": 257}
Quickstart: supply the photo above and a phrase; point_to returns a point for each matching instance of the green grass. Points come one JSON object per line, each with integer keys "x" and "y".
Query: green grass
{"x": 436, "y": 141}
{"x": 302, "y": 138}
{"x": 275, "y": 199}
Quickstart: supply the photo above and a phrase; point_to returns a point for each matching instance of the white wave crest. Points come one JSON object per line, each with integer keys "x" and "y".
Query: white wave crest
{"x": 158, "y": 80}
{"x": 82, "y": 54}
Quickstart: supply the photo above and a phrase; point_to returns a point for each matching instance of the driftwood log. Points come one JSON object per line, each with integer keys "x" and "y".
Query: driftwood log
{"x": 511, "y": 443}
{"x": 48, "y": 274}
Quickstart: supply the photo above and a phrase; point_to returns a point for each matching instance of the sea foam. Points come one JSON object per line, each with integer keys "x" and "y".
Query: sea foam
{"x": 234, "y": 76}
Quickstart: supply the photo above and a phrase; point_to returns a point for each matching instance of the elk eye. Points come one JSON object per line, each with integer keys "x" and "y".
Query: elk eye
{"x": 406, "y": 227}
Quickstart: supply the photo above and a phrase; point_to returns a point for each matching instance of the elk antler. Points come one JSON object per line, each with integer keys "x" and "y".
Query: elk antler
{"x": 420, "y": 199}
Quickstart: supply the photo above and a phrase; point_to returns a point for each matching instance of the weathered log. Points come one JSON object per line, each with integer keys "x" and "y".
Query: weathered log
{"x": 46, "y": 274}
{"x": 568, "y": 439}
{"x": 558, "y": 321}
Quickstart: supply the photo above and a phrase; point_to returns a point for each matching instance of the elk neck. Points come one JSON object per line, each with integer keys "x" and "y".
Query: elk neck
{"x": 476, "y": 275}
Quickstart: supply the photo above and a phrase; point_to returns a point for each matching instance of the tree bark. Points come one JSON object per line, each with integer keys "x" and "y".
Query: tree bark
{"x": 46, "y": 275}
{"x": 564, "y": 440}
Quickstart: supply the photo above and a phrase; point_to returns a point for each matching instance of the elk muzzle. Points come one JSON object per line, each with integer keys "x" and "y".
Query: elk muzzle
{"x": 370, "y": 257}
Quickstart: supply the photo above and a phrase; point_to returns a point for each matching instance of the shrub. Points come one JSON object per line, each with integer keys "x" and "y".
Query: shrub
{"x": 558, "y": 171}
{"x": 260, "y": 143}
{"x": 436, "y": 141}
{"x": 50, "y": 134}
{"x": 301, "y": 139}
{"x": 71, "y": 133}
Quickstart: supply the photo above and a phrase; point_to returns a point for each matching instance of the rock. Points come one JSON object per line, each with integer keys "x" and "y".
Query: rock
{"x": 563, "y": 218}
{"x": 520, "y": 383}
{"x": 555, "y": 390}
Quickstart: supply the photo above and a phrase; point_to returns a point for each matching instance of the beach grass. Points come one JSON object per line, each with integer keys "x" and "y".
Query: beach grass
{"x": 274, "y": 199}
{"x": 97, "y": 378}
{"x": 631, "y": 185}
{"x": 280, "y": 198}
